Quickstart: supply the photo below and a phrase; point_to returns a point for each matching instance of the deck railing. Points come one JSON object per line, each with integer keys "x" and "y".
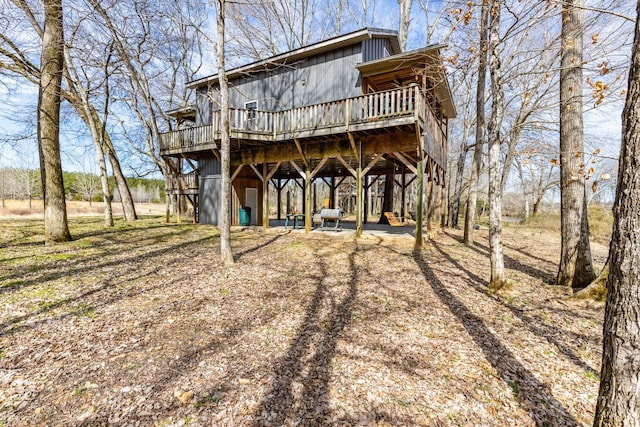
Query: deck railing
{"x": 187, "y": 181}
{"x": 401, "y": 102}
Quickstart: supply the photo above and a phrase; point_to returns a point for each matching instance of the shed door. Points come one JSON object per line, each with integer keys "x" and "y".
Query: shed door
{"x": 251, "y": 196}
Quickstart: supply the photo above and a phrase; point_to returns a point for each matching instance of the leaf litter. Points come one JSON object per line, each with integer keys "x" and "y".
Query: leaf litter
{"x": 142, "y": 325}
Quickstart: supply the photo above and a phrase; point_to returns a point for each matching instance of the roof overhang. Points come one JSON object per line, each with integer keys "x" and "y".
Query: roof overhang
{"x": 303, "y": 53}
{"x": 396, "y": 70}
{"x": 187, "y": 112}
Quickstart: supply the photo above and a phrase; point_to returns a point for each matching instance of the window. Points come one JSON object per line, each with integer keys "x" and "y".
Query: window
{"x": 251, "y": 107}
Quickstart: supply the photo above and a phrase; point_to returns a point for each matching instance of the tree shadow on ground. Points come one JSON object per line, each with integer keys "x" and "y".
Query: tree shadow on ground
{"x": 242, "y": 254}
{"x": 533, "y": 395}
{"x": 55, "y": 270}
{"x": 299, "y": 392}
{"x": 510, "y": 262}
{"x": 551, "y": 333}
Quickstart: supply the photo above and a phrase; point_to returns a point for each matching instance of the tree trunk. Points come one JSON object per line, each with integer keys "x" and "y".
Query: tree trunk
{"x": 470, "y": 214}
{"x": 576, "y": 269}
{"x": 56, "y": 228}
{"x": 455, "y": 203}
{"x": 403, "y": 25}
{"x": 618, "y": 399}
{"x": 225, "y": 157}
{"x": 495, "y": 185}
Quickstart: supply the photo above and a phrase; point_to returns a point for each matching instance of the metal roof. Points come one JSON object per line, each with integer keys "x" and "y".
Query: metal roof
{"x": 304, "y": 52}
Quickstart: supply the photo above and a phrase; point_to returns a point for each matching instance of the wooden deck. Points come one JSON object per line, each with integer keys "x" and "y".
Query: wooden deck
{"x": 183, "y": 184}
{"x": 363, "y": 114}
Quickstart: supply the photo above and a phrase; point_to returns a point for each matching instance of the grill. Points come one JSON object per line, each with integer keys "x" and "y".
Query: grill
{"x": 331, "y": 216}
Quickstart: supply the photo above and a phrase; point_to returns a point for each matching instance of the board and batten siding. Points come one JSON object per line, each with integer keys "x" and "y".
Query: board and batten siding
{"x": 375, "y": 48}
{"x": 209, "y": 199}
{"x": 209, "y": 166}
{"x": 326, "y": 77}
{"x": 321, "y": 78}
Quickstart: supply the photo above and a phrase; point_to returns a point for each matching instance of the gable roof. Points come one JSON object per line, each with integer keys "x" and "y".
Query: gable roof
{"x": 305, "y": 52}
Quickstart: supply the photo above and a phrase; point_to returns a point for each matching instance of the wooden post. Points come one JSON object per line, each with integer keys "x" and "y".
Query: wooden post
{"x": 265, "y": 196}
{"x": 359, "y": 193}
{"x": 445, "y": 206}
{"x": 367, "y": 203}
{"x": 315, "y": 196}
{"x": 429, "y": 204}
{"x": 279, "y": 188}
{"x": 403, "y": 202}
{"x": 332, "y": 192}
{"x": 307, "y": 199}
{"x": 419, "y": 200}
{"x": 438, "y": 209}
{"x": 178, "y": 208}
{"x": 167, "y": 202}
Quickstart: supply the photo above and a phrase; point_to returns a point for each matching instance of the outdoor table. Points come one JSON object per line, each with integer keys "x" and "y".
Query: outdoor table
{"x": 296, "y": 219}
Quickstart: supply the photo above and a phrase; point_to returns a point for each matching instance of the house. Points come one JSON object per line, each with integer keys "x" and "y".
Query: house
{"x": 350, "y": 107}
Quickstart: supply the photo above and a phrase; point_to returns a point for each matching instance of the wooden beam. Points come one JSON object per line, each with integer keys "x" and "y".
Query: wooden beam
{"x": 347, "y": 166}
{"x": 190, "y": 164}
{"x": 370, "y": 183}
{"x": 299, "y": 147}
{"x": 359, "y": 199}
{"x": 217, "y": 154}
{"x": 352, "y": 142}
{"x": 405, "y": 162}
{"x": 236, "y": 172}
{"x": 307, "y": 198}
{"x": 265, "y": 196}
{"x": 420, "y": 190}
{"x": 255, "y": 169}
{"x": 373, "y": 161}
{"x": 387, "y": 143}
{"x": 320, "y": 165}
{"x": 296, "y": 167}
{"x": 273, "y": 171}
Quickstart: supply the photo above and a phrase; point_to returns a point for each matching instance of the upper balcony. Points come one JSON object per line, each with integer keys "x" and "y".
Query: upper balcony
{"x": 376, "y": 111}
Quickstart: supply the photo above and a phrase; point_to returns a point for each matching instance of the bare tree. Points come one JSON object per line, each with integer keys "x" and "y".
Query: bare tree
{"x": 55, "y": 213}
{"x": 403, "y": 24}
{"x": 480, "y": 125}
{"x": 576, "y": 267}
{"x": 495, "y": 121}
{"x": 618, "y": 399}
{"x": 76, "y": 93}
{"x": 86, "y": 185}
{"x": 225, "y": 149}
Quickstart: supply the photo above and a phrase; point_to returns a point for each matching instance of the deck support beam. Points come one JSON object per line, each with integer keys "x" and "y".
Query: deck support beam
{"x": 236, "y": 172}
{"x": 307, "y": 199}
{"x": 359, "y": 204}
{"x": 265, "y": 196}
{"x": 420, "y": 190}
{"x": 430, "y": 191}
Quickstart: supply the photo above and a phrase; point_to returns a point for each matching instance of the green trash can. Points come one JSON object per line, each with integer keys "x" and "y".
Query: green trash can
{"x": 245, "y": 216}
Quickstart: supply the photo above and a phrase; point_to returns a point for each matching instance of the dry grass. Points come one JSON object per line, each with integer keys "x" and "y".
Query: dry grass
{"x": 141, "y": 324}
{"x": 20, "y": 209}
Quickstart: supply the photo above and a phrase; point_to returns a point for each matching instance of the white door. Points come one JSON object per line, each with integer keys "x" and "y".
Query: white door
{"x": 251, "y": 197}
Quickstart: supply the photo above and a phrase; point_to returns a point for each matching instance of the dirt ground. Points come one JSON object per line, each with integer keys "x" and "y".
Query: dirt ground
{"x": 142, "y": 325}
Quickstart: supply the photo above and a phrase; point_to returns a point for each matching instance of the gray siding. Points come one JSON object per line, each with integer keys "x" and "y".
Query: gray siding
{"x": 209, "y": 166}
{"x": 203, "y": 107}
{"x": 375, "y": 49}
{"x": 210, "y": 191}
{"x": 322, "y": 78}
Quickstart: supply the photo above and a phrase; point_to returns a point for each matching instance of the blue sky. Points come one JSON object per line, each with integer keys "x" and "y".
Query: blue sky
{"x": 602, "y": 123}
